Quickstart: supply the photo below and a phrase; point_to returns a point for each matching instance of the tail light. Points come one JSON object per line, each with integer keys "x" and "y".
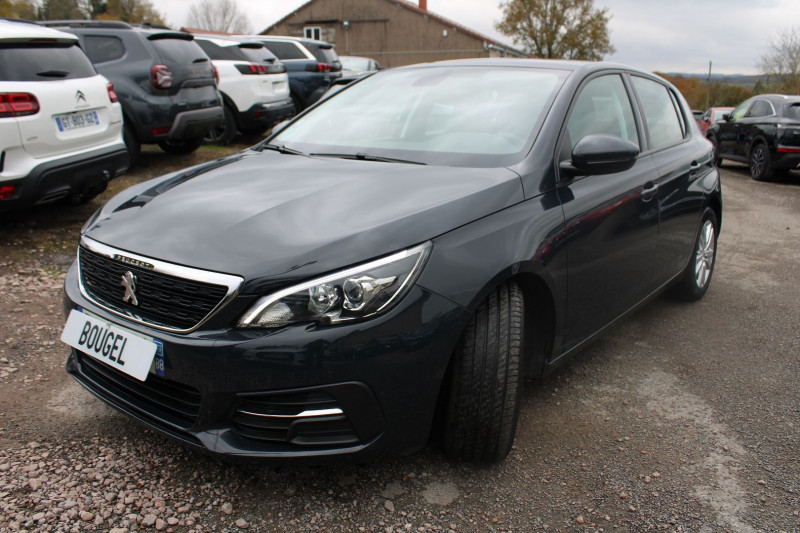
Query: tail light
{"x": 318, "y": 67}
{"x": 6, "y": 191}
{"x": 161, "y": 76}
{"x": 216, "y": 74}
{"x": 18, "y": 104}
{"x": 112, "y": 95}
{"x": 252, "y": 68}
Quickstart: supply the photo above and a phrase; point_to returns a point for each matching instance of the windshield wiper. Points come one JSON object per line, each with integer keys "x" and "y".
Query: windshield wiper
{"x": 367, "y": 157}
{"x": 278, "y": 148}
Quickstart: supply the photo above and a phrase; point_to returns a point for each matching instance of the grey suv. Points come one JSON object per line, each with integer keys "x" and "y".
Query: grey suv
{"x": 164, "y": 80}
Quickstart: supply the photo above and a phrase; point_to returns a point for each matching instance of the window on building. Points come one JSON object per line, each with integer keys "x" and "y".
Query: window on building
{"x": 313, "y": 32}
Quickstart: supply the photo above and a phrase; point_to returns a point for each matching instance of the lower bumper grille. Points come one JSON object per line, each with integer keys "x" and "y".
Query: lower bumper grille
{"x": 173, "y": 402}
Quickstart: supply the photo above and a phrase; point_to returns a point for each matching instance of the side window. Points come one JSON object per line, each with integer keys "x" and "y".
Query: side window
{"x": 312, "y": 32}
{"x": 101, "y": 48}
{"x": 285, "y": 50}
{"x": 761, "y": 108}
{"x": 740, "y": 111}
{"x": 603, "y": 107}
{"x": 664, "y": 125}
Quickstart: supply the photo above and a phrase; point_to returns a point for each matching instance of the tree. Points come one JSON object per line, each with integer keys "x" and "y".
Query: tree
{"x": 131, "y": 11}
{"x": 18, "y": 9}
{"x": 61, "y": 10}
{"x": 557, "y": 29}
{"x": 781, "y": 64}
{"x": 218, "y": 15}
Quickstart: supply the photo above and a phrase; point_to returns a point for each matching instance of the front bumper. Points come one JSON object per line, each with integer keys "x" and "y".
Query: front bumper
{"x": 362, "y": 390}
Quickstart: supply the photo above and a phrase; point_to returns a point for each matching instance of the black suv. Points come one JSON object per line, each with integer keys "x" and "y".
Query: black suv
{"x": 312, "y": 66}
{"x": 164, "y": 80}
{"x": 763, "y": 131}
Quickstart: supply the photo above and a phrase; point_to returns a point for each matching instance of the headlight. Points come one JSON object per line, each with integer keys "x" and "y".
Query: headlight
{"x": 359, "y": 292}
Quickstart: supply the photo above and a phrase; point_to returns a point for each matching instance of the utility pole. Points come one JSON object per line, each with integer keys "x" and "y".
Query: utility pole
{"x": 708, "y": 86}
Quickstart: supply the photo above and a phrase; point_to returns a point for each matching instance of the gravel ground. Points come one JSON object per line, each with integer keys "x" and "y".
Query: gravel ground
{"x": 683, "y": 419}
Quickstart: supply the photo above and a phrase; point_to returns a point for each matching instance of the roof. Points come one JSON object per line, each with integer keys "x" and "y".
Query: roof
{"x": 22, "y": 31}
{"x": 413, "y": 7}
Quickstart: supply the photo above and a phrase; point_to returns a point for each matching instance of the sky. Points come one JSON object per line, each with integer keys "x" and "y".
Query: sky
{"x": 655, "y": 35}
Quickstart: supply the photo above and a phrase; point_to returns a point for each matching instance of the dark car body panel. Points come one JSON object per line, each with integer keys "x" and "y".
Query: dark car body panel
{"x": 779, "y": 129}
{"x": 594, "y": 247}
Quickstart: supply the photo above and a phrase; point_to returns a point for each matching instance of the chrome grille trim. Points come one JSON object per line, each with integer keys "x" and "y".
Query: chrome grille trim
{"x": 232, "y": 283}
{"x": 311, "y": 413}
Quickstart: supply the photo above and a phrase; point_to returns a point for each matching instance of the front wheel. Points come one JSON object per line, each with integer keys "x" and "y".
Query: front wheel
{"x": 760, "y": 163}
{"x": 180, "y": 147}
{"x": 486, "y": 381}
{"x": 697, "y": 275}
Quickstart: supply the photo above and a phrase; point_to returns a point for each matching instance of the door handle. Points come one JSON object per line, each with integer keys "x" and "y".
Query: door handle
{"x": 650, "y": 190}
{"x": 694, "y": 167}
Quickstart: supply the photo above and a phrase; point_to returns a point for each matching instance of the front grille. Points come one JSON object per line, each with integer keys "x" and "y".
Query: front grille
{"x": 305, "y": 419}
{"x": 163, "y": 300}
{"x": 167, "y": 400}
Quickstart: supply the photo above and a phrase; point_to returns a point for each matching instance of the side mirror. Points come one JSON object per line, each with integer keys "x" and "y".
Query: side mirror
{"x": 601, "y": 154}
{"x": 726, "y": 117}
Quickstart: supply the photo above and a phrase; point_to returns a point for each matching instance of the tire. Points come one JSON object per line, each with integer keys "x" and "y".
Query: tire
{"x": 252, "y": 132}
{"x": 226, "y": 131}
{"x": 298, "y": 105}
{"x": 486, "y": 381}
{"x": 760, "y": 162}
{"x": 697, "y": 276}
{"x": 132, "y": 145}
{"x": 180, "y": 147}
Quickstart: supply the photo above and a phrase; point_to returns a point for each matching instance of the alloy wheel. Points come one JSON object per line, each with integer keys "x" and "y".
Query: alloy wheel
{"x": 704, "y": 255}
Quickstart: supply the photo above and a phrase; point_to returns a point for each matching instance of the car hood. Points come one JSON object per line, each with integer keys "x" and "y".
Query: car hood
{"x": 271, "y": 217}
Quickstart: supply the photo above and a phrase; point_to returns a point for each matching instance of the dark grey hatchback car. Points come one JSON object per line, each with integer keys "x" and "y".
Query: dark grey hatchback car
{"x": 390, "y": 265}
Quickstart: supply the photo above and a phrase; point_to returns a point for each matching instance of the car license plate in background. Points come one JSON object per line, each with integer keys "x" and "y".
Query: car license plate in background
{"x": 115, "y": 346}
{"x": 80, "y": 119}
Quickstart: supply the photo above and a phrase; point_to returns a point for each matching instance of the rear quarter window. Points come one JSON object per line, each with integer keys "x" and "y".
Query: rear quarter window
{"x": 285, "y": 51}
{"x": 178, "y": 51}
{"x": 43, "y": 62}
{"x": 103, "y": 48}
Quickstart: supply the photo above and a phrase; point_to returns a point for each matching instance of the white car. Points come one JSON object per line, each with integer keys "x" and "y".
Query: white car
{"x": 254, "y": 86}
{"x": 60, "y": 122}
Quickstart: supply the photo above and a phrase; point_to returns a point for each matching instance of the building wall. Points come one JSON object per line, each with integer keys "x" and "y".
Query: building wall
{"x": 383, "y": 30}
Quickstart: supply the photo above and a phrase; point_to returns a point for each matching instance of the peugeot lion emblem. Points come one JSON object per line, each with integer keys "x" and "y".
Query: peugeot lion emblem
{"x": 129, "y": 282}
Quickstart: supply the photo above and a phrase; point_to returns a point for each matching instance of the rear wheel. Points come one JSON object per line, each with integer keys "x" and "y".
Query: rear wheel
{"x": 226, "y": 131}
{"x": 180, "y": 147}
{"x": 697, "y": 275}
{"x": 760, "y": 162}
{"x": 486, "y": 380}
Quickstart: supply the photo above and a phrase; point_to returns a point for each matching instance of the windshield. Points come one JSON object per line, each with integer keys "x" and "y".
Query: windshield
{"x": 460, "y": 116}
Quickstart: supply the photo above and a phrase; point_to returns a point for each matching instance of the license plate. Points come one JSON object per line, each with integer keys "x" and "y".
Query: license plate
{"x": 115, "y": 346}
{"x": 74, "y": 121}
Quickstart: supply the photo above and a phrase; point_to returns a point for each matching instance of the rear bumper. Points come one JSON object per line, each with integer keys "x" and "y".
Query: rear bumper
{"x": 65, "y": 177}
{"x": 266, "y": 114}
{"x": 195, "y": 123}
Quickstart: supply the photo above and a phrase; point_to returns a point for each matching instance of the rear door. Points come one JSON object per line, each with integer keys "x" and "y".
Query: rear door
{"x": 193, "y": 83}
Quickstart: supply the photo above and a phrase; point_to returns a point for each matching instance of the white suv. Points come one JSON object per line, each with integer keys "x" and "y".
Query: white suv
{"x": 253, "y": 83}
{"x": 60, "y": 122}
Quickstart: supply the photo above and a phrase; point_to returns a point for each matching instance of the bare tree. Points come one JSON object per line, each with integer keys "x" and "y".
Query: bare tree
{"x": 557, "y": 29}
{"x": 218, "y": 15}
{"x": 781, "y": 64}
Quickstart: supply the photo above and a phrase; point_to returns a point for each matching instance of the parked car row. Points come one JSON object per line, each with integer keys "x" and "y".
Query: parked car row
{"x": 160, "y": 86}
